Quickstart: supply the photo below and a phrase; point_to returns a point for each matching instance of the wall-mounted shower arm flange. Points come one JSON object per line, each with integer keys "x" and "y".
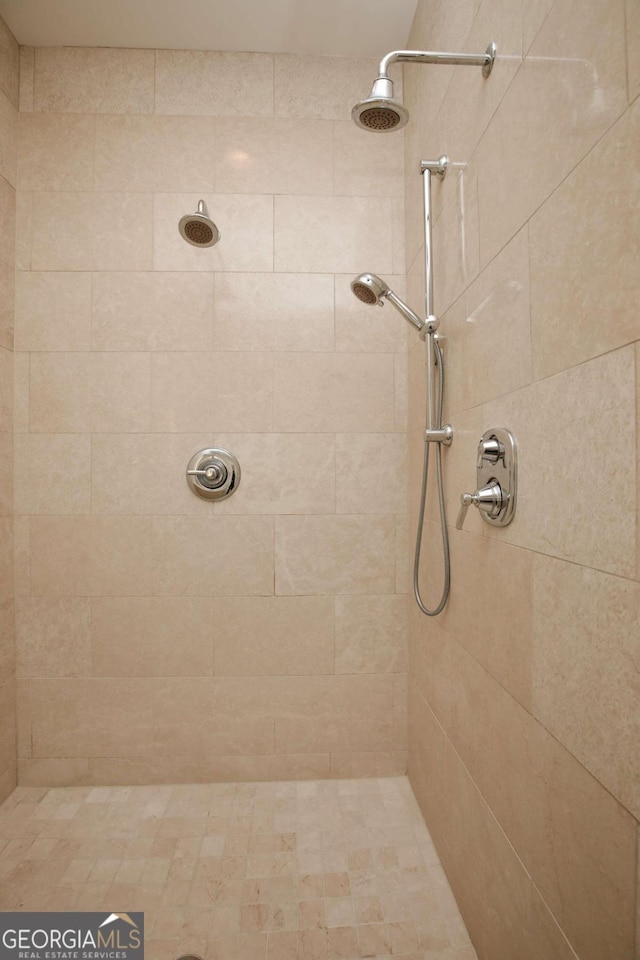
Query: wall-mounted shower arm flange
{"x": 439, "y": 166}
{"x": 484, "y": 60}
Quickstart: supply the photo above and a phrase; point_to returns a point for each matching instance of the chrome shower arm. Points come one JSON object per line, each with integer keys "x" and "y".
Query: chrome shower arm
{"x": 484, "y": 60}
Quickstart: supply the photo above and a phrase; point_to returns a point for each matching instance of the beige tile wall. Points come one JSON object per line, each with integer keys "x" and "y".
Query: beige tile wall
{"x": 161, "y": 637}
{"x": 9, "y": 77}
{"x": 524, "y": 719}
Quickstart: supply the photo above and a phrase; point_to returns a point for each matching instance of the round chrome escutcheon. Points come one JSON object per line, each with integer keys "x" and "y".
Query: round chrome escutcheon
{"x": 213, "y": 473}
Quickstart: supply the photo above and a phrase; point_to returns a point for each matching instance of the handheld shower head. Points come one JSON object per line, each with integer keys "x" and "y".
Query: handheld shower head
{"x": 198, "y": 228}
{"x": 371, "y": 289}
{"x": 380, "y": 111}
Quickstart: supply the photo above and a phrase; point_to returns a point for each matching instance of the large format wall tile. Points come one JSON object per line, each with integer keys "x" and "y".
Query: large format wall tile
{"x": 273, "y": 636}
{"x": 151, "y": 311}
{"x": 371, "y": 471}
{"x": 498, "y": 634}
{"x": 587, "y": 882}
{"x": 212, "y": 392}
{"x": 218, "y": 556}
{"x": 584, "y": 670}
{"x": 273, "y": 156}
{"x": 633, "y": 56}
{"x": 569, "y": 90}
{"x": 27, "y": 77}
{"x": 144, "y": 473}
{"x": 494, "y": 310}
{"x": 7, "y": 728}
{"x": 68, "y": 233}
{"x": 503, "y": 908}
{"x": 213, "y": 717}
{"x": 282, "y": 473}
{"x": 580, "y": 239}
{"x": 8, "y": 140}
{"x": 328, "y": 392}
{"x": 455, "y": 237}
{"x": 6, "y": 390}
{"x": 371, "y": 634}
{"x": 207, "y": 83}
{"x": 7, "y": 304}
{"x": 52, "y": 637}
{"x": 56, "y": 152}
{"x": 556, "y": 454}
{"x": 341, "y": 713}
{"x": 273, "y": 311}
{"x": 8, "y": 219}
{"x": 6, "y": 475}
{"x": 90, "y": 556}
{"x": 534, "y": 14}
{"x": 9, "y": 64}
{"x": 93, "y": 80}
{"x": 502, "y": 21}
{"x": 332, "y": 555}
{"x": 78, "y": 393}
{"x": 82, "y": 718}
{"x": 360, "y": 171}
{"x": 53, "y": 311}
{"x": 334, "y": 235}
{"x": 54, "y": 473}
{"x": 155, "y": 154}
{"x": 151, "y": 637}
{"x": 320, "y": 88}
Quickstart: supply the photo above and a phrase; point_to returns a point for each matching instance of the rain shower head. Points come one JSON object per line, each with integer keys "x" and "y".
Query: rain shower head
{"x": 371, "y": 289}
{"x": 381, "y": 112}
{"x": 198, "y": 228}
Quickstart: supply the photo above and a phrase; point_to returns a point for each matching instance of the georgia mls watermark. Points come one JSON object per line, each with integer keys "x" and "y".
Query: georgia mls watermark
{"x": 71, "y": 936}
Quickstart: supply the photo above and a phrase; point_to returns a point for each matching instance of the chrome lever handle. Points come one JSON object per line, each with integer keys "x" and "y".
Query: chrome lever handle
{"x": 489, "y": 499}
{"x": 465, "y": 502}
{"x": 211, "y": 473}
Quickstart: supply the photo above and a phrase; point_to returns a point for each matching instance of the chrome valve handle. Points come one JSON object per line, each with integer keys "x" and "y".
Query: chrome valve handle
{"x": 213, "y": 474}
{"x": 488, "y": 499}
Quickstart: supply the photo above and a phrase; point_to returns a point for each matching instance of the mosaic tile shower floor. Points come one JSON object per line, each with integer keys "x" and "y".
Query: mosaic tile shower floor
{"x": 316, "y": 870}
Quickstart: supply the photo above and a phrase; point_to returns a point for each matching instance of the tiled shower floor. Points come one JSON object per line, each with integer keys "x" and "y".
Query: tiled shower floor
{"x": 317, "y": 870}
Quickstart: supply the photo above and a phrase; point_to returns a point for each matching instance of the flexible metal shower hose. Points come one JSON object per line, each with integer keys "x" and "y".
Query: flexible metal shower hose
{"x": 423, "y": 500}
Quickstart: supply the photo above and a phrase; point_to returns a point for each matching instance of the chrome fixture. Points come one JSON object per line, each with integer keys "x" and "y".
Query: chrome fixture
{"x": 382, "y": 112}
{"x": 198, "y": 228}
{"x": 372, "y": 289}
{"x": 213, "y": 474}
{"x": 497, "y": 477}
